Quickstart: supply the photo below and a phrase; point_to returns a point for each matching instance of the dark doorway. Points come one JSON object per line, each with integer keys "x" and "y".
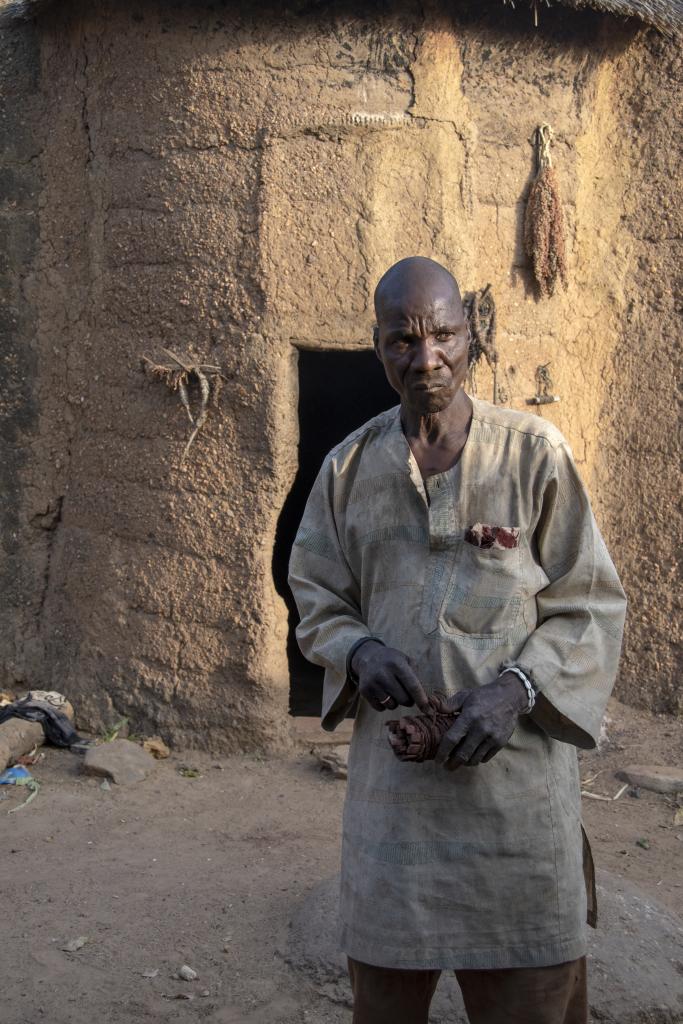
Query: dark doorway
{"x": 338, "y": 391}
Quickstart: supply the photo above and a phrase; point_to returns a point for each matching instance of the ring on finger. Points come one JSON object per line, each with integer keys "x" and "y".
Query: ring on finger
{"x": 386, "y": 699}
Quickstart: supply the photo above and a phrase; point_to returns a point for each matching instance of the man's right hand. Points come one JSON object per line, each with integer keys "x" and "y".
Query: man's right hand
{"x": 386, "y": 678}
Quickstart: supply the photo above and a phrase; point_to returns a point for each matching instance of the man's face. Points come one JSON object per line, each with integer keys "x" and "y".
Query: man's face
{"x": 422, "y": 341}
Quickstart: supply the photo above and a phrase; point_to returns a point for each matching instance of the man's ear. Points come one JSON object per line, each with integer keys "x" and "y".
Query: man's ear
{"x": 375, "y": 339}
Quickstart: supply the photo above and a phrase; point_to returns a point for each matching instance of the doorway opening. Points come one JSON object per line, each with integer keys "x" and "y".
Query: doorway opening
{"x": 338, "y": 391}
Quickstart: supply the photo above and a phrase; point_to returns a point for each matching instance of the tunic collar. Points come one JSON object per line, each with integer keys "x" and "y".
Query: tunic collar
{"x": 399, "y": 451}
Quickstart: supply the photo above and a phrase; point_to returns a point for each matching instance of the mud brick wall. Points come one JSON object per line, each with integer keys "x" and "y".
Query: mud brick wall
{"x": 229, "y": 183}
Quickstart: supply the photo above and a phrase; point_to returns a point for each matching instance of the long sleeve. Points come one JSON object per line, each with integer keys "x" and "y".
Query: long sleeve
{"x": 573, "y": 654}
{"x": 327, "y": 597}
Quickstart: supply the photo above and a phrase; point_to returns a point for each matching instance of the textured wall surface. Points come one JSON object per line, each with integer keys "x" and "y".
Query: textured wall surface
{"x": 639, "y": 474}
{"x": 27, "y": 517}
{"x": 230, "y": 185}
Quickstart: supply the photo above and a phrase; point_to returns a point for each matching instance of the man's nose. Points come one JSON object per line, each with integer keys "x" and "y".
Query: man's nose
{"x": 426, "y": 358}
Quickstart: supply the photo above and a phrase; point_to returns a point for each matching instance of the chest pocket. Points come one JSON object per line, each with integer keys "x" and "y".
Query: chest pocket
{"x": 484, "y": 597}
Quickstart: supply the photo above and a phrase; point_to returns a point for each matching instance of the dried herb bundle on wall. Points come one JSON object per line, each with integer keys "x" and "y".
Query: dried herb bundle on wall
{"x": 544, "y": 229}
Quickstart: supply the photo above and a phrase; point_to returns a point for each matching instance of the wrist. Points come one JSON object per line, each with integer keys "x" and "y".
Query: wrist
{"x": 520, "y": 688}
{"x": 514, "y": 688}
{"x": 358, "y": 653}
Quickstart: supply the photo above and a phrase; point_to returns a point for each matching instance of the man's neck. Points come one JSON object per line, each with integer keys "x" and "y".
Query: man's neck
{"x": 443, "y": 430}
{"x": 437, "y": 439}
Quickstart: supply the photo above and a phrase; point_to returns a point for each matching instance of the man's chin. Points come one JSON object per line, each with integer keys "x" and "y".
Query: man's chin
{"x": 426, "y": 402}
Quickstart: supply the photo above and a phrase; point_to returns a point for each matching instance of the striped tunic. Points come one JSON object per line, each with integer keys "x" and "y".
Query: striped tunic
{"x": 479, "y": 868}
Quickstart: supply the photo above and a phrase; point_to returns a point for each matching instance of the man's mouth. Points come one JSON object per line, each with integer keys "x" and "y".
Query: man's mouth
{"x": 428, "y": 385}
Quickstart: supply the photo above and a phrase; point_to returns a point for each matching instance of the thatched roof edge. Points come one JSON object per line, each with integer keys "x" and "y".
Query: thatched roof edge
{"x": 665, "y": 15}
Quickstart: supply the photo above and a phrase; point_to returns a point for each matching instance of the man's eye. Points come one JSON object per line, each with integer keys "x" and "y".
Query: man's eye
{"x": 444, "y": 335}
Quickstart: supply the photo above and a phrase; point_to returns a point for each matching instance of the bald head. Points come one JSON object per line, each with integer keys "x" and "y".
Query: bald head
{"x": 421, "y": 336}
{"x": 414, "y": 282}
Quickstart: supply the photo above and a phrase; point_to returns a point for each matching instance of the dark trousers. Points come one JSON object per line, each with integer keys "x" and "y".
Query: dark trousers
{"x": 530, "y": 995}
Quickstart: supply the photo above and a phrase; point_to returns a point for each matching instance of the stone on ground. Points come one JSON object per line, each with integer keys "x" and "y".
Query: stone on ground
{"x": 156, "y": 747}
{"x": 334, "y": 760}
{"x": 634, "y": 957}
{"x": 17, "y": 737}
{"x": 121, "y": 761}
{"x": 658, "y": 779}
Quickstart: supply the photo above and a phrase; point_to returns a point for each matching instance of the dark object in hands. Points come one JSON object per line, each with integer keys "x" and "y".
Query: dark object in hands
{"x": 417, "y": 737}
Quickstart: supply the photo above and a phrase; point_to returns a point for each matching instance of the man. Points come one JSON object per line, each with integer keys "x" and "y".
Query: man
{"x": 448, "y": 545}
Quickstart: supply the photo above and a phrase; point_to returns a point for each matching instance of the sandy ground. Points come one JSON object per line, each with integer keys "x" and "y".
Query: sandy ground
{"x": 206, "y": 872}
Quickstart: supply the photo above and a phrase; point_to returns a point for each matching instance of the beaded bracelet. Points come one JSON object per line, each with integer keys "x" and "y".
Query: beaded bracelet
{"x": 530, "y": 692}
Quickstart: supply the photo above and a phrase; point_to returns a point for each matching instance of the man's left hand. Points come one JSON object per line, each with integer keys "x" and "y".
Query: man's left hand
{"x": 487, "y": 719}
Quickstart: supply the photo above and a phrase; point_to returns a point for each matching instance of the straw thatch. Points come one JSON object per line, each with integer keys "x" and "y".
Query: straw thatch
{"x": 666, "y": 15}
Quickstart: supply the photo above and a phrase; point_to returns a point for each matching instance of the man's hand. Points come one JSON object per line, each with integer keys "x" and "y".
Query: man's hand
{"x": 383, "y": 672}
{"x": 488, "y": 716}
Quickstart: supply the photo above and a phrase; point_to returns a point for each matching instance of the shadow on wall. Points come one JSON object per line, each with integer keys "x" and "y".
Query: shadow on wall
{"x": 338, "y": 392}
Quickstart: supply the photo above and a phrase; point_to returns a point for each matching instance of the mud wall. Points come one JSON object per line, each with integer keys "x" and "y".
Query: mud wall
{"x": 26, "y": 517}
{"x": 229, "y": 185}
{"x": 638, "y": 476}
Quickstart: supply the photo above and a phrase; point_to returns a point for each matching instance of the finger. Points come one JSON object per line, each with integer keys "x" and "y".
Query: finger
{"x": 411, "y": 684}
{"x": 383, "y": 694}
{"x": 492, "y": 753}
{"x": 381, "y": 702}
{"x": 482, "y": 750}
{"x": 466, "y": 749}
{"x": 390, "y": 686}
{"x": 377, "y": 704}
{"x": 388, "y": 705}
{"x": 452, "y": 738}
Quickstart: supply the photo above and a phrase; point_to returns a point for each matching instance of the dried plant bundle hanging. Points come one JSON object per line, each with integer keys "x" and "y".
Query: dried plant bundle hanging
{"x": 178, "y": 376}
{"x": 544, "y": 231}
{"x": 480, "y": 311}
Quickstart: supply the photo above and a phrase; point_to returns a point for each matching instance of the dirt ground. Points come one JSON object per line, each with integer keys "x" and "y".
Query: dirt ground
{"x": 206, "y": 871}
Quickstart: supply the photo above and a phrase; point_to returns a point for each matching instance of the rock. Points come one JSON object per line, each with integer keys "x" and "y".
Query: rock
{"x": 75, "y": 944}
{"x": 333, "y": 760}
{"x": 120, "y": 760}
{"x": 17, "y": 737}
{"x": 632, "y": 956}
{"x": 658, "y": 779}
{"x": 156, "y": 747}
{"x": 187, "y": 974}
